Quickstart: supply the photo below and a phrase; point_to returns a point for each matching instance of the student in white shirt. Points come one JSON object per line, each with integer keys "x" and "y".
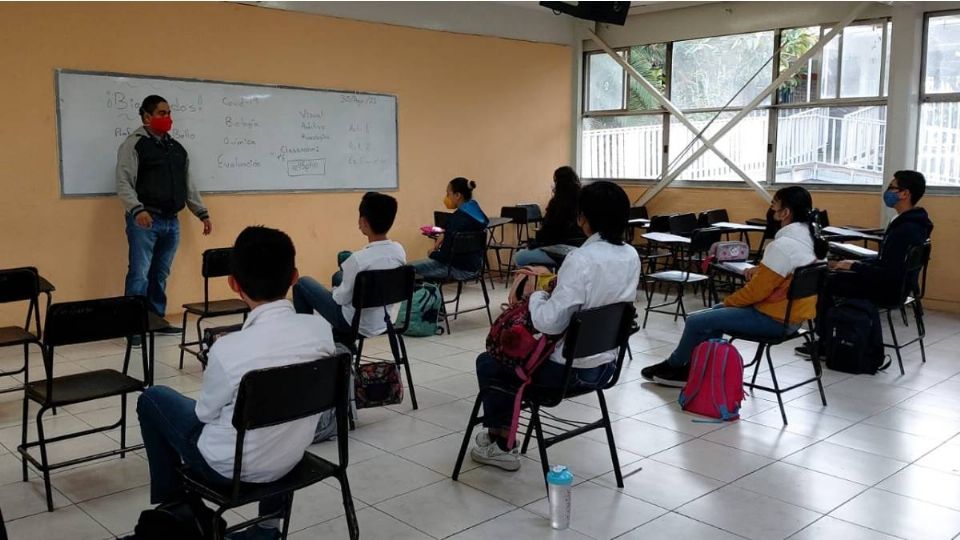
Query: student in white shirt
{"x": 199, "y": 434}
{"x": 603, "y": 271}
{"x": 377, "y": 213}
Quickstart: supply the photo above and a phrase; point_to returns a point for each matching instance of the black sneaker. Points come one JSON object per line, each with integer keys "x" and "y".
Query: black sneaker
{"x": 134, "y": 341}
{"x": 666, "y": 375}
{"x": 806, "y": 351}
{"x": 169, "y": 331}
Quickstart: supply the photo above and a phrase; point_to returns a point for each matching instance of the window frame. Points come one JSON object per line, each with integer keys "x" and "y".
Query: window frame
{"x": 772, "y": 108}
{"x": 940, "y": 97}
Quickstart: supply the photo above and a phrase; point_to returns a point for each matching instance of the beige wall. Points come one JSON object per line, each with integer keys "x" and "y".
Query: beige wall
{"x": 494, "y": 110}
{"x": 943, "y": 290}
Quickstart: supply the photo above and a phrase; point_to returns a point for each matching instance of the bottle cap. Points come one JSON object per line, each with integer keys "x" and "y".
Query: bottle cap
{"x": 560, "y": 475}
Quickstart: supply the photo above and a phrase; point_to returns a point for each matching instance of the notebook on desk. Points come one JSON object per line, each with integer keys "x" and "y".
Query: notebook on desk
{"x": 736, "y": 267}
{"x": 858, "y": 251}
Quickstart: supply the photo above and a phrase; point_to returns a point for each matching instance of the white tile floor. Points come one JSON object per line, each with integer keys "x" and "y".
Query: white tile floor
{"x": 882, "y": 460}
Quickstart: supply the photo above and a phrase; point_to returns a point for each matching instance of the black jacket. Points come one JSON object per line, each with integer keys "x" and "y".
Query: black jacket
{"x": 885, "y": 272}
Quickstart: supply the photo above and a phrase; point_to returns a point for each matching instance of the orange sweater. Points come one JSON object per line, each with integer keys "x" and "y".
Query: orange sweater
{"x": 767, "y": 292}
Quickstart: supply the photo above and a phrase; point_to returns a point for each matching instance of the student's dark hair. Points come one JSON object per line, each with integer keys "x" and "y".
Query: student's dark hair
{"x": 913, "y": 182}
{"x": 800, "y": 204}
{"x": 606, "y": 208}
{"x": 463, "y": 186}
{"x": 262, "y": 262}
{"x": 150, "y": 104}
{"x": 380, "y": 210}
{"x": 562, "y": 207}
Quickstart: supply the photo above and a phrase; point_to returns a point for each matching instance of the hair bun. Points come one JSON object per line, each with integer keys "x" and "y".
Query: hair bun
{"x": 473, "y": 185}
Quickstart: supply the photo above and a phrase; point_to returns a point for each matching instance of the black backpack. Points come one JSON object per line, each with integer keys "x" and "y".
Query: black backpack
{"x": 852, "y": 337}
{"x": 180, "y": 520}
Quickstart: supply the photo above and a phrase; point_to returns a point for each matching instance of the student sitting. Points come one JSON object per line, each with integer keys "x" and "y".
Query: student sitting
{"x": 878, "y": 279}
{"x": 468, "y": 217}
{"x": 200, "y": 434}
{"x": 559, "y": 225}
{"x": 759, "y": 307}
{"x": 377, "y": 213}
{"x": 603, "y": 271}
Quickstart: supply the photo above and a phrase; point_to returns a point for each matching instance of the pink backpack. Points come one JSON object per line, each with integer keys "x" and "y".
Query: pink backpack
{"x": 715, "y": 385}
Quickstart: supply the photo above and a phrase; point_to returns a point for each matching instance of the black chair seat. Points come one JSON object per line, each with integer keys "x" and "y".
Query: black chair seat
{"x": 44, "y": 285}
{"x": 677, "y": 276}
{"x": 771, "y": 340}
{"x": 14, "y": 335}
{"x": 84, "y": 387}
{"x": 309, "y": 471}
{"x": 217, "y": 307}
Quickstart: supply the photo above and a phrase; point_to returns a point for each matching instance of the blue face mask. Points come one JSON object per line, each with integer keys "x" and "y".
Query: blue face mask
{"x": 891, "y": 198}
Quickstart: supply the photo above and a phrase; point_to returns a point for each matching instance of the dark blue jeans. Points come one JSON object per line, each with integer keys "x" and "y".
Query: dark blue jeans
{"x": 171, "y": 429}
{"x": 151, "y": 255}
{"x": 498, "y": 406}
{"x": 714, "y": 323}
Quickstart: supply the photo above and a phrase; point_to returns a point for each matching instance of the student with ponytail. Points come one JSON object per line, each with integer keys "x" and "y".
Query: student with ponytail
{"x": 759, "y": 307}
{"x": 467, "y": 217}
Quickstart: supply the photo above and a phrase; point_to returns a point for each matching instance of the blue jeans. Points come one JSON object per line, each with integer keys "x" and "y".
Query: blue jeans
{"x": 714, "y": 323}
{"x": 150, "y": 257}
{"x": 498, "y": 406}
{"x": 309, "y": 296}
{"x": 171, "y": 429}
{"x": 430, "y": 269}
{"x": 530, "y": 257}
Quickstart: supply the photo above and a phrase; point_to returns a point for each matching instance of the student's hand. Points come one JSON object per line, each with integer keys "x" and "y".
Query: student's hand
{"x": 144, "y": 220}
{"x": 840, "y": 265}
{"x": 750, "y": 272}
{"x": 207, "y": 227}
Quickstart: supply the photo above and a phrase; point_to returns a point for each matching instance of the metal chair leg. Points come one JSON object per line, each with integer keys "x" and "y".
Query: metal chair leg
{"x": 896, "y": 344}
{"x": 352, "y": 524}
{"x": 486, "y": 300}
{"x": 610, "y": 442}
{"x": 472, "y": 423}
{"x": 921, "y": 329}
{"x": 183, "y": 337}
{"x": 541, "y": 441}
{"x": 776, "y": 387}
{"x": 43, "y": 459}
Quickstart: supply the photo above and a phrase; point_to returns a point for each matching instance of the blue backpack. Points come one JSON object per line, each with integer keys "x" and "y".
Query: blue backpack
{"x": 425, "y": 312}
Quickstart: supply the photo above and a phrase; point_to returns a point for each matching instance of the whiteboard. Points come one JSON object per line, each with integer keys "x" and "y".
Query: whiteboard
{"x": 239, "y": 137}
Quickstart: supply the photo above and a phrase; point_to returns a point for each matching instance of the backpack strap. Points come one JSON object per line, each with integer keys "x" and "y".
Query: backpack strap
{"x": 543, "y": 351}
{"x": 722, "y": 406}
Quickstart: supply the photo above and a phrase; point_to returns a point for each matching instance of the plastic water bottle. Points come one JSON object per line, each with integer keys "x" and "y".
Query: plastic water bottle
{"x": 560, "y": 482}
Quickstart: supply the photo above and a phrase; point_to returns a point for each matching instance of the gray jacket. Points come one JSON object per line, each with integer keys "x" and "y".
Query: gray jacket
{"x": 128, "y": 165}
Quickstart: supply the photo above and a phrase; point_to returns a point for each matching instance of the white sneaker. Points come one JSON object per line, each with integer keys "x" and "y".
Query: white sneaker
{"x": 483, "y": 439}
{"x": 491, "y": 454}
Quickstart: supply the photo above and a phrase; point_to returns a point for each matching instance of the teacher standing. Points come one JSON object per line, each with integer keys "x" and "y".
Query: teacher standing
{"x": 154, "y": 186}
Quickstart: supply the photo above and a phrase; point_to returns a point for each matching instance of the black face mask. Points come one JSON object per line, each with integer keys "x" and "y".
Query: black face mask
{"x": 772, "y": 224}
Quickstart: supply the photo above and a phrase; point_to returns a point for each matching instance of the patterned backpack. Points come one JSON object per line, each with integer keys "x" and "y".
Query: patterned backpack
{"x": 715, "y": 385}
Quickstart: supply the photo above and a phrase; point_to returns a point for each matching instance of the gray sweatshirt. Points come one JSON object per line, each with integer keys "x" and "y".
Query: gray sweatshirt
{"x": 128, "y": 164}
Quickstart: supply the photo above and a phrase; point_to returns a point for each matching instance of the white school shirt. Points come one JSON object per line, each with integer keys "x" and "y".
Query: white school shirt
{"x": 380, "y": 255}
{"x": 593, "y": 275}
{"x": 273, "y": 335}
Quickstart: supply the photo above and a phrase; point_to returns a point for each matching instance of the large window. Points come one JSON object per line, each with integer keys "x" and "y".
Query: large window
{"x": 831, "y": 116}
{"x": 623, "y": 125}
{"x": 938, "y": 148}
{"x": 826, "y": 124}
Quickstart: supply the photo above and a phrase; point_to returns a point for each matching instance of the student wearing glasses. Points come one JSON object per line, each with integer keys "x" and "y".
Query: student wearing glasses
{"x": 878, "y": 279}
